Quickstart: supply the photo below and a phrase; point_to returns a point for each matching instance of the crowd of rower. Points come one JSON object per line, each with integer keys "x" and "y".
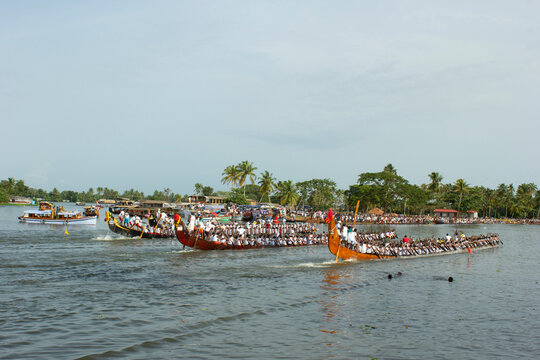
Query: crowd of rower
{"x": 256, "y": 234}
{"x": 383, "y": 246}
{"x": 164, "y": 225}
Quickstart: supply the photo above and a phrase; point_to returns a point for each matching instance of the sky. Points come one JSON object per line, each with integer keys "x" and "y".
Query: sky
{"x": 165, "y": 94}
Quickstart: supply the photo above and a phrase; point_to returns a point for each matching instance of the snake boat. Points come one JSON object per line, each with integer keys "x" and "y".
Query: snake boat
{"x": 387, "y": 251}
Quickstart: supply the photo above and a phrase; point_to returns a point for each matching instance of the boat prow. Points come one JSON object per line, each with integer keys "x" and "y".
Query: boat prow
{"x": 344, "y": 253}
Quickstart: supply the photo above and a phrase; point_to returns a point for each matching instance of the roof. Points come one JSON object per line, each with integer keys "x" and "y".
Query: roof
{"x": 375, "y": 211}
{"x": 445, "y": 210}
{"x": 151, "y": 202}
{"x": 106, "y": 201}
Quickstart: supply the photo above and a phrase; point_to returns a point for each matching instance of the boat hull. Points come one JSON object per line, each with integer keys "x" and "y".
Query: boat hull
{"x": 115, "y": 227}
{"x": 90, "y": 220}
{"x": 202, "y": 244}
{"x": 197, "y": 242}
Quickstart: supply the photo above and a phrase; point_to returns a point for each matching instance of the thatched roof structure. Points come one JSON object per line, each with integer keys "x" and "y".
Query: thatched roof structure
{"x": 375, "y": 211}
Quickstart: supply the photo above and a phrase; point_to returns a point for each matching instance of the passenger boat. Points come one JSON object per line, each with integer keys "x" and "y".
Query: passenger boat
{"x": 91, "y": 211}
{"x": 116, "y": 227}
{"x": 383, "y": 252}
{"x": 55, "y": 215}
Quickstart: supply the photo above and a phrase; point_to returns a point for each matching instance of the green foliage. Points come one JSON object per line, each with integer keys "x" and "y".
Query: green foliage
{"x": 266, "y": 185}
{"x": 387, "y": 185}
{"x": 199, "y": 189}
{"x": 4, "y": 198}
{"x": 320, "y": 194}
{"x": 287, "y": 193}
{"x": 246, "y": 170}
{"x": 207, "y": 191}
{"x": 237, "y": 196}
{"x": 385, "y": 189}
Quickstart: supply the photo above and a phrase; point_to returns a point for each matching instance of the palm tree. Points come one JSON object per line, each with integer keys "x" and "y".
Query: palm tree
{"x": 10, "y": 185}
{"x": 230, "y": 175}
{"x": 435, "y": 184}
{"x": 461, "y": 187}
{"x": 267, "y": 184}
{"x": 288, "y": 193}
{"x": 501, "y": 196}
{"x": 246, "y": 170}
{"x": 525, "y": 195}
{"x": 390, "y": 169}
{"x": 489, "y": 198}
{"x": 198, "y": 188}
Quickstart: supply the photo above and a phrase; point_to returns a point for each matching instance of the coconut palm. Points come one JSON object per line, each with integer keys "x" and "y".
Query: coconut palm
{"x": 230, "y": 175}
{"x": 435, "y": 184}
{"x": 198, "y": 188}
{"x": 489, "y": 198}
{"x": 461, "y": 187}
{"x": 267, "y": 184}
{"x": 246, "y": 170}
{"x": 525, "y": 196}
{"x": 288, "y": 194}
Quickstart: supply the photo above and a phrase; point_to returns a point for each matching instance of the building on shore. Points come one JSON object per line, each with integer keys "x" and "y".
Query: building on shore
{"x": 448, "y": 214}
{"x": 20, "y": 200}
{"x": 211, "y": 200}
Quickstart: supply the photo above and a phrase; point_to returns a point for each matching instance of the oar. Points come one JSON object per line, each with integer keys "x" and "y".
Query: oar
{"x": 142, "y": 233}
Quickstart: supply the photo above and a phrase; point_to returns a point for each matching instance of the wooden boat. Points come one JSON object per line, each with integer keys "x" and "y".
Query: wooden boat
{"x": 91, "y": 211}
{"x": 49, "y": 214}
{"x": 196, "y": 240}
{"x": 117, "y": 228}
{"x": 344, "y": 253}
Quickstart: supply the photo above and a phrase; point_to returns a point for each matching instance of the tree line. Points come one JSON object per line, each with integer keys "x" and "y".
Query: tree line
{"x": 13, "y": 187}
{"x": 385, "y": 190}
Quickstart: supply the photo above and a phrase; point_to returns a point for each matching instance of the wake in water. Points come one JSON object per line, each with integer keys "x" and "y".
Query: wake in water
{"x": 185, "y": 251}
{"x": 322, "y": 264}
{"x": 111, "y": 238}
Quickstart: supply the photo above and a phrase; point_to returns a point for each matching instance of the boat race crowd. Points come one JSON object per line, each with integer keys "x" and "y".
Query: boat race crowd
{"x": 273, "y": 231}
{"x": 262, "y": 233}
{"x": 319, "y": 216}
{"x": 386, "y": 244}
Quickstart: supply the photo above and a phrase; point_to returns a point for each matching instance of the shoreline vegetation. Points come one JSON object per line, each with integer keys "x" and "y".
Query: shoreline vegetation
{"x": 385, "y": 190}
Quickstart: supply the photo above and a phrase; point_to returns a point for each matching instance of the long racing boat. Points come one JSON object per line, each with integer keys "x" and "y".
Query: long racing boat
{"x": 343, "y": 250}
{"x": 194, "y": 237}
{"x": 116, "y": 227}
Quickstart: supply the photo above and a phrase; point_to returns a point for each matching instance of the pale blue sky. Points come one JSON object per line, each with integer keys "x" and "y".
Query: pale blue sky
{"x": 154, "y": 94}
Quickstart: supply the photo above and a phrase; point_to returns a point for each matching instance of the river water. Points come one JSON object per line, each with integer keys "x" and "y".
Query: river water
{"x": 94, "y": 295}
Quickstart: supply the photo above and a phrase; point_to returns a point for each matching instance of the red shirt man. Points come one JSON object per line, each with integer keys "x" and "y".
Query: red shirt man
{"x": 406, "y": 239}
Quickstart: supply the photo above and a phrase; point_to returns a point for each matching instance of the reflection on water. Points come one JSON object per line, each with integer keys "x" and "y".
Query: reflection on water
{"x": 329, "y": 304}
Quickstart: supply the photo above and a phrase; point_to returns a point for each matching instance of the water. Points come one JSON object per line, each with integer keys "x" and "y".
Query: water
{"x": 94, "y": 295}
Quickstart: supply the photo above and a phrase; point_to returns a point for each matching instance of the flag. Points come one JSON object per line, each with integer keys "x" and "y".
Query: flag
{"x": 329, "y": 217}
